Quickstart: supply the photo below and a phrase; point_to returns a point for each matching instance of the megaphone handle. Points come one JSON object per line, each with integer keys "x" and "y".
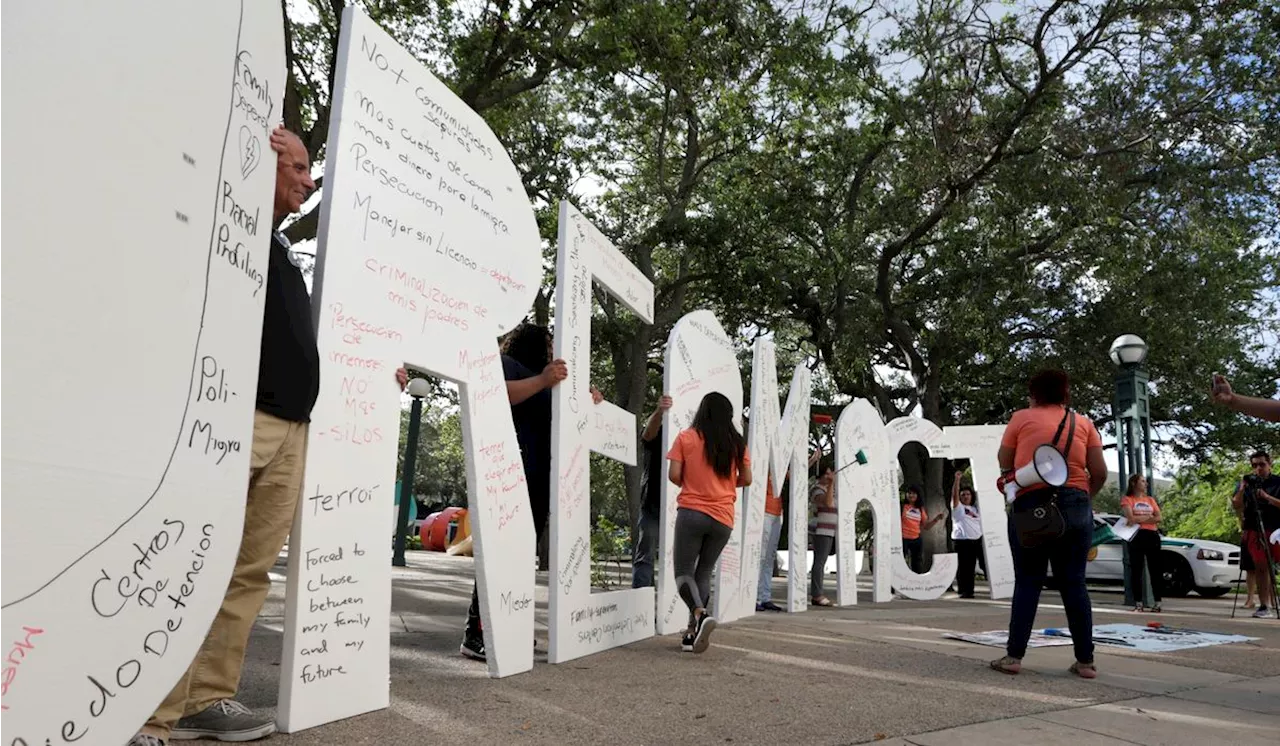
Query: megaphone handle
{"x": 1010, "y": 492}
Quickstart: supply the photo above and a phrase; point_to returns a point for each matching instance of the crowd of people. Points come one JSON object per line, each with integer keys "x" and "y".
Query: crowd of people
{"x": 709, "y": 463}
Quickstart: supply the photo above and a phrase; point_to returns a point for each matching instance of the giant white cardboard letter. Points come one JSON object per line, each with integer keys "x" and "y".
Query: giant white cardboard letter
{"x": 137, "y": 209}
{"x": 980, "y": 444}
{"x": 429, "y": 249}
{"x": 860, "y": 427}
{"x": 777, "y": 444}
{"x": 700, "y": 359}
{"x": 583, "y": 623}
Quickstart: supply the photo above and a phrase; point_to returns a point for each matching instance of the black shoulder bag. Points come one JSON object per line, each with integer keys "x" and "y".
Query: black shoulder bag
{"x": 1036, "y": 517}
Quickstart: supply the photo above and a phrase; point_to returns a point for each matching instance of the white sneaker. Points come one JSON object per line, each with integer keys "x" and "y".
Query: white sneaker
{"x": 1262, "y": 613}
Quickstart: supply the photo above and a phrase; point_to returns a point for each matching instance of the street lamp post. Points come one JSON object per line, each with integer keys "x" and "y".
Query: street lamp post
{"x": 417, "y": 388}
{"x": 1132, "y": 409}
{"x": 1133, "y": 434}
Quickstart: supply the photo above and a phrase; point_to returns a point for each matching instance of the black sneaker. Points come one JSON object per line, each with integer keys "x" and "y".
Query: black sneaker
{"x": 702, "y": 638}
{"x": 224, "y": 720}
{"x": 473, "y": 646}
{"x": 768, "y": 606}
{"x": 686, "y": 643}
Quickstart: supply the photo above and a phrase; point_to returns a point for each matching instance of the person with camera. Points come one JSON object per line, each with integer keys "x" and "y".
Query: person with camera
{"x": 1257, "y": 503}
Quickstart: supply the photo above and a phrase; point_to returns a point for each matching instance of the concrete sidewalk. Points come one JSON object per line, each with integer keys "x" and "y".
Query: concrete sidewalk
{"x": 870, "y": 673}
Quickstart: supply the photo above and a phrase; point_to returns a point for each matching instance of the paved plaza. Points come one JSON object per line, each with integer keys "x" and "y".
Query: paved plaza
{"x": 871, "y": 673}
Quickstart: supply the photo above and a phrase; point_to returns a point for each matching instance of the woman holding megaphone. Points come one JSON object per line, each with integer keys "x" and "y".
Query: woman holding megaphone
{"x": 1051, "y": 465}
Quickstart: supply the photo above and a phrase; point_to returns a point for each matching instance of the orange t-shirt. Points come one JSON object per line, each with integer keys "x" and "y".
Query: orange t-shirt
{"x": 704, "y": 490}
{"x": 1142, "y": 507}
{"x": 912, "y": 517}
{"x": 1034, "y": 427}
{"x": 772, "y": 503}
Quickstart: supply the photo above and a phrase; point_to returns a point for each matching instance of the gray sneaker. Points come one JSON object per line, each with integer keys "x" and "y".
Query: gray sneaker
{"x": 224, "y": 720}
{"x": 143, "y": 739}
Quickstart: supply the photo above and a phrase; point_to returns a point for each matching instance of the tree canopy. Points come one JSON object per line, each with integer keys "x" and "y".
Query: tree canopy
{"x": 924, "y": 200}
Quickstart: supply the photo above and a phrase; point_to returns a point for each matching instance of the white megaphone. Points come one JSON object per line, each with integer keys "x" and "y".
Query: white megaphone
{"x": 1047, "y": 466}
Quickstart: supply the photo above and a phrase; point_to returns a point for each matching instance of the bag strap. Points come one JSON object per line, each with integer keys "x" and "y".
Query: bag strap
{"x": 1071, "y": 434}
{"x": 1070, "y": 416}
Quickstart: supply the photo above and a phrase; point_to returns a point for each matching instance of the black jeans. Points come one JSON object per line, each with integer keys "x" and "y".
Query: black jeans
{"x": 1144, "y": 550}
{"x": 913, "y": 553}
{"x": 1068, "y": 554}
{"x": 642, "y": 555}
{"x": 970, "y": 551}
{"x": 699, "y": 540}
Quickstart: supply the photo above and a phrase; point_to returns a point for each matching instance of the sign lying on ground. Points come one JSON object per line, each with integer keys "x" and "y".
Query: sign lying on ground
{"x": 137, "y": 221}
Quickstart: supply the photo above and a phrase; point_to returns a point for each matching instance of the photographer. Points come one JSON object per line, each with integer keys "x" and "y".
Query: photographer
{"x": 1257, "y": 505}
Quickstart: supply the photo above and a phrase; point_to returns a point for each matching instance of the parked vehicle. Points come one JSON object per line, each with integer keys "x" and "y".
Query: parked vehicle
{"x": 1209, "y": 568}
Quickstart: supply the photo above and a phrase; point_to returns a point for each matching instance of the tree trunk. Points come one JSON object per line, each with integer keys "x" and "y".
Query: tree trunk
{"x": 631, "y": 384}
{"x": 936, "y": 496}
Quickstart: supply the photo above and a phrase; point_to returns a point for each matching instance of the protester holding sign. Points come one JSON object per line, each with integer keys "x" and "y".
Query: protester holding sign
{"x": 1142, "y": 510}
{"x": 709, "y": 462}
{"x": 769, "y": 548}
{"x": 823, "y": 496}
{"x": 650, "y": 498}
{"x": 526, "y": 349}
{"x": 1048, "y": 421}
{"x": 769, "y": 543}
{"x": 202, "y": 704}
{"x": 966, "y": 532}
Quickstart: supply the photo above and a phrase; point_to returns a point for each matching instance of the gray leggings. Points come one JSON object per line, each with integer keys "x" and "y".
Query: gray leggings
{"x": 698, "y": 543}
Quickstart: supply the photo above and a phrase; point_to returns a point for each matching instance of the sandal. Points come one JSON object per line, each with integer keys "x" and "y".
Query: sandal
{"x": 1156, "y": 609}
{"x": 1084, "y": 670}
{"x": 821, "y": 601}
{"x": 1139, "y": 608}
{"x": 1007, "y": 664}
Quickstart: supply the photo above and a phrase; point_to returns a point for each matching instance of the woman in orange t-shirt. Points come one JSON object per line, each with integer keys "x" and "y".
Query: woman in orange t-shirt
{"x": 1141, "y": 509}
{"x": 1049, "y": 420}
{"x": 709, "y": 462}
{"x": 914, "y": 520}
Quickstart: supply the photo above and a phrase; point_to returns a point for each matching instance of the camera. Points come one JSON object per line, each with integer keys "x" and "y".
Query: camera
{"x": 1252, "y": 480}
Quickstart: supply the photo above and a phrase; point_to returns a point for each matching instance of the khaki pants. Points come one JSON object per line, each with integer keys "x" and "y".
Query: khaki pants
{"x": 275, "y": 483}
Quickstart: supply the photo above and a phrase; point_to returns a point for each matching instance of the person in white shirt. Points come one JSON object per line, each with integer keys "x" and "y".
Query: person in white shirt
{"x": 966, "y": 532}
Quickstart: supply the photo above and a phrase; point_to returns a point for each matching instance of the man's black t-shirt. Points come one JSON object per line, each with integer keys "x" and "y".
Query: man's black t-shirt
{"x": 289, "y": 366}
{"x": 651, "y": 482}
{"x": 532, "y": 418}
{"x": 1270, "y": 513}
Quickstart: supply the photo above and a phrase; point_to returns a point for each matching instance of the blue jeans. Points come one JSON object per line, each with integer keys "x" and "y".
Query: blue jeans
{"x": 1068, "y": 554}
{"x": 768, "y": 553}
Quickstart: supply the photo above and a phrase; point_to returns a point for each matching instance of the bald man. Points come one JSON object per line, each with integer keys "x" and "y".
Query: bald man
{"x": 202, "y": 704}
